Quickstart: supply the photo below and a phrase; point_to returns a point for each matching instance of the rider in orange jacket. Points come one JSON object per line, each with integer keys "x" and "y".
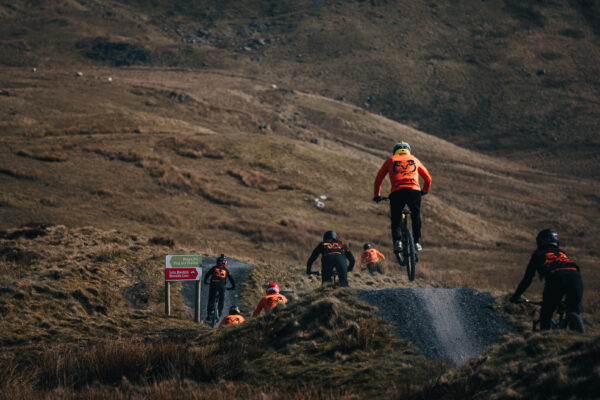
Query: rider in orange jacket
{"x": 270, "y": 301}
{"x": 404, "y": 170}
{"x": 234, "y": 317}
{"x": 371, "y": 259}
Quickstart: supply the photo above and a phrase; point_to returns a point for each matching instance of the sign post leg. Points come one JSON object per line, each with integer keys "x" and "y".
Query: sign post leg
{"x": 198, "y": 298}
{"x": 167, "y": 298}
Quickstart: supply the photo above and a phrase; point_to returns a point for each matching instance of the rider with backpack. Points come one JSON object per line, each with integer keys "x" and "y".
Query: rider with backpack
{"x": 334, "y": 254}
{"x": 404, "y": 170}
{"x": 560, "y": 273}
{"x": 218, "y": 280}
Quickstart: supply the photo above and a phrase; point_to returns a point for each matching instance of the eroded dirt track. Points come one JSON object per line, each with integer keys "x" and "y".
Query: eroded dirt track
{"x": 446, "y": 324}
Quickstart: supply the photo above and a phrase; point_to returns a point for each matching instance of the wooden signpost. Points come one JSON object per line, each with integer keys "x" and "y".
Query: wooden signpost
{"x": 183, "y": 268}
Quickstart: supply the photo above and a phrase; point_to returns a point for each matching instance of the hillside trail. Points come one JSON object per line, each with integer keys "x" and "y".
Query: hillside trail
{"x": 450, "y": 324}
{"x": 238, "y": 270}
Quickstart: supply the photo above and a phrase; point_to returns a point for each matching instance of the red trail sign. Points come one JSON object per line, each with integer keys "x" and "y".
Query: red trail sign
{"x": 183, "y": 274}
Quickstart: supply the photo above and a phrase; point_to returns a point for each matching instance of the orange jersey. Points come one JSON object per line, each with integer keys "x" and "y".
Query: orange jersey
{"x": 232, "y": 320}
{"x": 370, "y": 256}
{"x": 404, "y": 171}
{"x": 269, "y": 302}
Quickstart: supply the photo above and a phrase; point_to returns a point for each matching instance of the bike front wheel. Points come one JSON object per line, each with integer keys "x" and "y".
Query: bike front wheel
{"x": 410, "y": 255}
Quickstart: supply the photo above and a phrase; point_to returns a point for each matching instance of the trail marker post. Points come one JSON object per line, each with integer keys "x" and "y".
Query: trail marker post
{"x": 183, "y": 268}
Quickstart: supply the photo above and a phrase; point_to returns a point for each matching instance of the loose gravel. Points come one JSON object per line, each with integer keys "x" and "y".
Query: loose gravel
{"x": 446, "y": 324}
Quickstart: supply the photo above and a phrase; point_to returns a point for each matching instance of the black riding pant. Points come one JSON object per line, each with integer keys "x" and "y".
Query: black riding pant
{"x": 398, "y": 200}
{"x": 337, "y": 262}
{"x": 561, "y": 284}
{"x": 212, "y": 292}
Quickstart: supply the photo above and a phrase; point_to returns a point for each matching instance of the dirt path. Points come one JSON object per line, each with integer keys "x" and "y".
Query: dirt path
{"x": 446, "y": 324}
{"x": 238, "y": 271}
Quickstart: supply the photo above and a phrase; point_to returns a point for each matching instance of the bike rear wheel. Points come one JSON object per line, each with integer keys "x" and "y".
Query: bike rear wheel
{"x": 574, "y": 322}
{"x": 214, "y": 317}
{"x": 410, "y": 255}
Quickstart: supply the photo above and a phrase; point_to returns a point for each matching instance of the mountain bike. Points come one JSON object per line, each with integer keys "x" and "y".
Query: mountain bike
{"x": 214, "y": 315}
{"x": 566, "y": 320}
{"x": 334, "y": 276}
{"x": 408, "y": 255}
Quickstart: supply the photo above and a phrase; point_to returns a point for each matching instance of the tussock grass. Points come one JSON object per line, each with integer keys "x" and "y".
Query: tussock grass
{"x": 49, "y": 155}
{"x": 192, "y": 147}
{"x": 108, "y": 252}
{"x": 103, "y": 192}
{"x": 549, "y": 365}
{"x": 170, "y": 176}
{"x": 311, "y": 342}
{"x": 254, "y": 179}
{"x": 15, "y": 173}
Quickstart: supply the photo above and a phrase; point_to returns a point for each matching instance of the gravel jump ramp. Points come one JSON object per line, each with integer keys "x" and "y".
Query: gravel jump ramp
{"x": 446, "y": 324}
{"x": 238, "y": 270}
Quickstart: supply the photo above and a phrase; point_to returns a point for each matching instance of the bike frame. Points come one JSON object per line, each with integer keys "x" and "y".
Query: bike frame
{"x": 561, "y": 310}
{"x": 409, "y": 257}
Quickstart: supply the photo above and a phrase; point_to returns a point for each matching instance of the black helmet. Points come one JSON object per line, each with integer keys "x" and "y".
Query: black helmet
{"x": 330, "y": 235}
{"x": 366, "y": 246}
{"x": 234, "y": 310}
{"x": 401, "y": 148}
{"x": 222, "y": 260}
{"x": 547, "y": 237}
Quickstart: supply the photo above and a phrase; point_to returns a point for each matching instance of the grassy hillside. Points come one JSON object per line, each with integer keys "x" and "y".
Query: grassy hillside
{"x": 133, "y": 129}
{"x": 505, "y": 77}
{"x": 229, "y": 164}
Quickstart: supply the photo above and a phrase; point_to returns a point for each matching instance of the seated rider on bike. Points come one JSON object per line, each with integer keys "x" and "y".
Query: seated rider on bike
{"x": 560, "y": 273}
{"x": 333, "y": 254}
{"x": 404, "y": 170}
{"x": 234, "y": 317}
{"x": 270, "y": 301}
{"x": 218, "y": 280}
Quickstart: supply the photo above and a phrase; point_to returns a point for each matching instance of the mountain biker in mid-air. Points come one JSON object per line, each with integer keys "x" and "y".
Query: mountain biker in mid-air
{"x": 371, "y": 259}
{"x": 234, "y": 317}
{"x": 218, "y": 280}
{"x": 560, "y": 273}
{"x": 271, "y": 300}
{"x": 404, "y": 170}
{"x": 334, "y": 254}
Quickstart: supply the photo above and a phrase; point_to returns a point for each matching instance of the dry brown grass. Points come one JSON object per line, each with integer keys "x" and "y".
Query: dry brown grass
{"x": 192, "y": 147}
{"x": 51, "y": 155}
{"x": 552, "y": 365}
{"x": 108, "y": 252}
{"x": 333, "y": 327}
{"x": 18, "y": 174}
{"x": 254, "y": 179}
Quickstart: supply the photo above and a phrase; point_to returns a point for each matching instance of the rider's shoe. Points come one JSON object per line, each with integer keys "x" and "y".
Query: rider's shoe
{"x": 397, "y": 246}
{"x": 418, "y": 247}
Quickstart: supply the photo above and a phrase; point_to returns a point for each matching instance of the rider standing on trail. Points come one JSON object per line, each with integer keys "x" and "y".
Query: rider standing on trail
{"x": 271, "y": 300}
{"x": 333, "y": 254}
{"x": 218, "y": 280}
{"x": 371, "y": 258}
{"x": 404, "y": 170}
{"x": 234, "y": 317}
{"x": 560, "y": 273}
